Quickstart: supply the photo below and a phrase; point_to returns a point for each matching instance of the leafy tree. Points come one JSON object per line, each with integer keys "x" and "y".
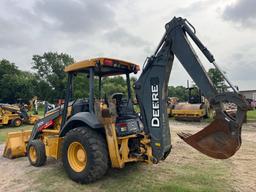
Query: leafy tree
{"x": 9, "y": 75}
{"x": 50, "y": 69}
{"x": 179, "y": 91}
{"x": 114, "y": 85}
{"x": 110, "y": 85}
{"x": 6, "y": 67}
{"x": 44, "y": 91}
{"x": 17, "y": 86}
{"x": 81, "y": 86}
{"x": 49, "y": 81}
{"x": 217, "y": 79}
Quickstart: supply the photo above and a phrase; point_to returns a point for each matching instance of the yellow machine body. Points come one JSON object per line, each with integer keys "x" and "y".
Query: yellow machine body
{"x": 171, "y": 102}
{"x": 16, "y": 143}
{"x": 53, "y": 146}
{"x": 32, "y": 119}
{"x": 189, "y": 111}
{"x": 8, "y": 113}
{"x": 118, "y": 148}
{"x": 7, "y": 116}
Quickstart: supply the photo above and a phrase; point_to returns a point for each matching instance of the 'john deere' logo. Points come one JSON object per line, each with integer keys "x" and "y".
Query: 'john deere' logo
{"x": 155, "y": 121}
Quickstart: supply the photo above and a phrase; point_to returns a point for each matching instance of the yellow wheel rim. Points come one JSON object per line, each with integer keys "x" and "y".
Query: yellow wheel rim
{"x": 77, "y": 156}
{"x": 32, "y": 154}
{"x": 17, "y": 123}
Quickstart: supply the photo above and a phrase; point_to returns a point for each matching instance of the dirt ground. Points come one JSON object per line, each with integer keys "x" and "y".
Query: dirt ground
{"x": 243, "y": 163}
{"x": 18, "y": 175}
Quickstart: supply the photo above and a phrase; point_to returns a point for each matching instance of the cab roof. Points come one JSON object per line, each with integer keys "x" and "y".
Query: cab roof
{"x": 103, "y": 66}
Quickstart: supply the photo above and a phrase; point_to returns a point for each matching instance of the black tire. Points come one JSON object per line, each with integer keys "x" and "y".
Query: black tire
{"x": 96, "y": 154}
{"x": 39, "y": 148}
{"x": 16, "y": 122}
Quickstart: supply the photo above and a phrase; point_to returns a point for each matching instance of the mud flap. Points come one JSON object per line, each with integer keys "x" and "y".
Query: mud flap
{"x": 222, "y": 138}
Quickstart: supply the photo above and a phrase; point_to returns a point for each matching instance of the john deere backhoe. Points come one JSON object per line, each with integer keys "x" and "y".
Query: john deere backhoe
{"x": 89, "y": 135}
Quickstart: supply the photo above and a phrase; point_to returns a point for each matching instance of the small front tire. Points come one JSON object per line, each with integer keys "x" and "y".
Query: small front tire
{"x": 36, "y": 153}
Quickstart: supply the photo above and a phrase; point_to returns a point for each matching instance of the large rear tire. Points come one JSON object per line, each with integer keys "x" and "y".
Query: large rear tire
{"x": 84, "y": 155}
{"x": 36, "y": 153}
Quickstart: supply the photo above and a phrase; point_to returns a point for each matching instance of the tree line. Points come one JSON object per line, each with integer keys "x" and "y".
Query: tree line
{"x": 182, "y": 92}
{"x": 48, "y": 81}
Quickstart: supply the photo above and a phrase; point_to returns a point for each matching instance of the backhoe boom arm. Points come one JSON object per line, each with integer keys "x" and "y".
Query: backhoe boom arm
{"x": 151, "y": 92}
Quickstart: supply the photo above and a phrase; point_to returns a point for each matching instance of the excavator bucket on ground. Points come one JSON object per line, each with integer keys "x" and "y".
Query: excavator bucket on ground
{"x": 222, "y": 138}
{"x": 15, "y": 145}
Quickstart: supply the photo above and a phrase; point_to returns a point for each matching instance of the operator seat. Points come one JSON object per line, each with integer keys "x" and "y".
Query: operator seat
{"x": 124, "y": 107}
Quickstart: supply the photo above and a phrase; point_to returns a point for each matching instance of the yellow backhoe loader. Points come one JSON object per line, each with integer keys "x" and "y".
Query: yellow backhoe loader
{"x": 14, "y": 115}
{"x": 91, "y": 135}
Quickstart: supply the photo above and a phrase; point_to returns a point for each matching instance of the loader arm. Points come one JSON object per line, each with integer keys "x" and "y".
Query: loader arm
{"x": 221, "y": 139}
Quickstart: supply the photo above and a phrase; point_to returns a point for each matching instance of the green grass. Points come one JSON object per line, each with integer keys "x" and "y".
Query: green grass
{"x": 209, "y": 176}
{"x": 40, "y": 112}
{"x": 4, "y": 130}
{"x": 251, "y": 115}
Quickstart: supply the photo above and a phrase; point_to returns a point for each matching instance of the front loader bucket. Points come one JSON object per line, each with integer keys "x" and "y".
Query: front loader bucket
{"x": 15, "y": 145}
{"x": 222, "y": 138}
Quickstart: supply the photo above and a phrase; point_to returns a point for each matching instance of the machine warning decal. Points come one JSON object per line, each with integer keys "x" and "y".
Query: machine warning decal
{"x": 155, "y": 120}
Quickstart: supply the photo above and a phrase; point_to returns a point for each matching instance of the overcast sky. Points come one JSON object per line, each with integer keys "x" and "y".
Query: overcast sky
{"x": 129, "y": 30}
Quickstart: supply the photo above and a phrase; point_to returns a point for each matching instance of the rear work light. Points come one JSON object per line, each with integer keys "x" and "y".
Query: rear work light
{"x": 108, "y": 62}
{"x": 122, "y": 126}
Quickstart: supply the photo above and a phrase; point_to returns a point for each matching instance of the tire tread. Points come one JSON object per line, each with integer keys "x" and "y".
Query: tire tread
{"x": 40, "y": 152}
{"x": 97, "y": 148}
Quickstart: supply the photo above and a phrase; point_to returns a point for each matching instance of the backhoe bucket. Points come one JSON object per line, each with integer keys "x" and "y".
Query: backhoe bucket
{"x": 215, "y": 140}
{"x": 16, "y": 144}
{"x": 222, "y": 138}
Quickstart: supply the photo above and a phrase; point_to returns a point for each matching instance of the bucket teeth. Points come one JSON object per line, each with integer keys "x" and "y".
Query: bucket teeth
{"x": 183, "y": 135}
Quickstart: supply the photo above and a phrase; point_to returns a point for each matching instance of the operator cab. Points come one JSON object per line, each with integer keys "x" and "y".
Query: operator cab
{"x": 120, "y": 104}
{"x": 194, "y": 95}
